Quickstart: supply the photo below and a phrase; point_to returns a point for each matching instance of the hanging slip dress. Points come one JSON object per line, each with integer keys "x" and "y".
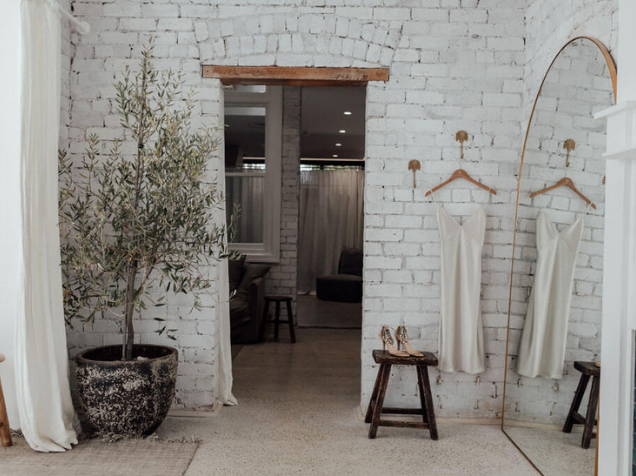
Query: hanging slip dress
{"x": 461, "y": 336}
{"x": 545, "y": 330}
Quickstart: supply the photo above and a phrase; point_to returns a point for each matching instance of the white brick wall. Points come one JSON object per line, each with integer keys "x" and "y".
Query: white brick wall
{"x": 282, "y": 278}
{"x": 455, "y": 64}
{"x": 449, "y": 73}
{"x": 444, "y": 76}
{"x": 65, "y": 67}
{"x": 550, "y": 23}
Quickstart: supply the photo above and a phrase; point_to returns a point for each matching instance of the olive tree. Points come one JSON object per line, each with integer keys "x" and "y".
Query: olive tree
{"x": 138, "y": 221}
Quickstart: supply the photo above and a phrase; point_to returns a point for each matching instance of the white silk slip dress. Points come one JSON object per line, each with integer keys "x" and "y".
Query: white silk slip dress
{"x": 461, "y": 335}
{"x": 545, "y": 330}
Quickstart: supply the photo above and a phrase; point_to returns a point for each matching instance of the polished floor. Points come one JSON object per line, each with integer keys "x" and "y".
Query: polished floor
{"x": 299, "y": 414}
{"x": 314, "y": 312}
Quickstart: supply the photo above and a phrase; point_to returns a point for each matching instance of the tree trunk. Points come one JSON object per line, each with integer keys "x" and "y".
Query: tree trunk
{"x": 130, "y": 311}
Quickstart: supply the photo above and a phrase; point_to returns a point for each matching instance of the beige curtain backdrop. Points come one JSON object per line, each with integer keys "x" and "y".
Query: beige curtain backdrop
{"x": 331, "y": 218}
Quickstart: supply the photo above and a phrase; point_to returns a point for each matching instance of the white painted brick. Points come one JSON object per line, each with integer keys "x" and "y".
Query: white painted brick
{"x": 122, "y": 9}
{"x": 403, "y": 221}
{"x": 116, "y": 37}
{"x": 382, "y": 262}
{"x": 383, "y": 234}
{"x": 502, "y": 99}
{"x": 175, "y": 24}
{"x": 439, "y": 70}
{"x": 391, "y": 13}
{"x": 468, "y": 15}
{"x": 382, "y": 290}
{"x": 373, "y": 54}
{"x": 201, "y": 31}
{"x": 152, "y": 10}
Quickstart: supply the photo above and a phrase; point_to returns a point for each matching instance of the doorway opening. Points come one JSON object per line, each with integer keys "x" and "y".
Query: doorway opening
{"x": 329, "y": 283}
{"x": 294, "y": 176}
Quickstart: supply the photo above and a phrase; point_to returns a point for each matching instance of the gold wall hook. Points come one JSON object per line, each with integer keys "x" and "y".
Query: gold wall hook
{"x": 414, "y": 166}
{"x": 461, "y": 137}
{"x": 569, "y": 145}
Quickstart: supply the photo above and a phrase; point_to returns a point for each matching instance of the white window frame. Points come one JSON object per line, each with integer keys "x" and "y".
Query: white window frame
{"x": 269, "y": 250}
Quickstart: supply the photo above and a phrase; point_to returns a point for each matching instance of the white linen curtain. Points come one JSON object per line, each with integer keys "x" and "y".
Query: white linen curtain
{"x": 41, "y": 362}
{"x": 224, "y": 379}
{"x": 331, "y": 218}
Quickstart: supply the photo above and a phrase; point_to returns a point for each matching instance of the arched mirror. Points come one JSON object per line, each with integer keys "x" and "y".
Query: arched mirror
{"x": 554, "y": 321}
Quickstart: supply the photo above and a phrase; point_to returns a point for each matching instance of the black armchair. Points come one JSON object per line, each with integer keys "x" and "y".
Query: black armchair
{"x": 346, "y": 286}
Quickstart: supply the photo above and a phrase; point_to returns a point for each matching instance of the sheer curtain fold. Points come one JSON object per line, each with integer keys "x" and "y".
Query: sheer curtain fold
{"x": 44, "y": 403}
{"x": 224, "y": 379}
{"x": 251, "y": 226}
{"x": 331, "y": 218}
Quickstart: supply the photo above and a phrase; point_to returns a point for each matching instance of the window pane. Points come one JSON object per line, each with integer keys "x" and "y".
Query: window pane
{"x": 245, "y": 207}
{"x": 244, "y": 137}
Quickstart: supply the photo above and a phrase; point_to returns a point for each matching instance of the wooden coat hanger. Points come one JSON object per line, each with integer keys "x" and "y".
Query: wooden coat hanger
{"x": 569, "y": 145}
{"x": 461, "y": 174}
{"x": 461, "y": 137}
{"x": 565, "y": 182}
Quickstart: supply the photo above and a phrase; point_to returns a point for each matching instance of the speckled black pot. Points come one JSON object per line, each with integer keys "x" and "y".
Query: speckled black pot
{"x": 127, "y": 398}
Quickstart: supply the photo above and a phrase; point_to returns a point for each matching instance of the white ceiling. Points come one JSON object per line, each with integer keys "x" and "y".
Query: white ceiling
{"x": 323, "y": 116}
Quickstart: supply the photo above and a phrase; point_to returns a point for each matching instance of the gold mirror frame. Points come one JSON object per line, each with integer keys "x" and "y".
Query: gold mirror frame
{"x": 611, "y": 67}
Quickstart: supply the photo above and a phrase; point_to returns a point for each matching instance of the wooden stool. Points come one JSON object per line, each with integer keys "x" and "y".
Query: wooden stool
{"x": 5, "y": 431}
{"x": 290, "y": 317}
{"x": 587, "y": 369}
{"x": 375, "y": 409}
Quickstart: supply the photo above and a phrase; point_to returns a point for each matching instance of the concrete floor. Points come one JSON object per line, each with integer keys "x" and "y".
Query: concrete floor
{"x": 299, "y": 414}
{"x": 314, "y": 312}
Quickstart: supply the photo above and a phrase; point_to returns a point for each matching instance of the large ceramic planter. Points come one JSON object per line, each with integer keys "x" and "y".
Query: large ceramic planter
{"x": 127, "y": 398}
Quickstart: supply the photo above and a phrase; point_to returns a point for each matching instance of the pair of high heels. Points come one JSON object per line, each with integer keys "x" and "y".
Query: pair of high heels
{"x": 402, "y": 338}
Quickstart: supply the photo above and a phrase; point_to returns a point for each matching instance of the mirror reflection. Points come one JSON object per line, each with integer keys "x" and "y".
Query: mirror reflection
{"x": 554, "y": 339}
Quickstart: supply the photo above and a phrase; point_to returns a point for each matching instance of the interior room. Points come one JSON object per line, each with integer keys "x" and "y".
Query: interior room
{"x": 331, "y": 214}
{"x": 249, "y": 237}
{"x": 320, "y": 133}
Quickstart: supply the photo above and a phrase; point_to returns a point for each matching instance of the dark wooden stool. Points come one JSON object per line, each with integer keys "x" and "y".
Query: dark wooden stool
{"x": 376, "y": 408}
{"x": 290, "y": 316}
{"x": 587, "y": 369}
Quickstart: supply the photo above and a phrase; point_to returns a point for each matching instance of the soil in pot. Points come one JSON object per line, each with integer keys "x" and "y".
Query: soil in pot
{"x": 125, "y": 398}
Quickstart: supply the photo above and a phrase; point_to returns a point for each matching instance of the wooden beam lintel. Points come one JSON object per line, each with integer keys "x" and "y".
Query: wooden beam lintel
{"x": 294, "y": 76}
